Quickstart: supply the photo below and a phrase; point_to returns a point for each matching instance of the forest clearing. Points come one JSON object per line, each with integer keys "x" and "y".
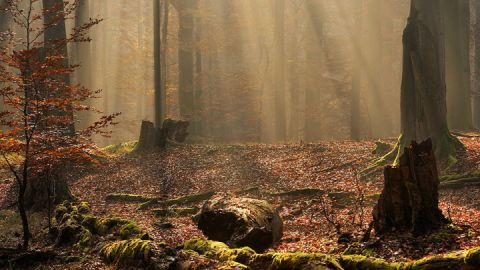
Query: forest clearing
{"x": 240, "y": 134}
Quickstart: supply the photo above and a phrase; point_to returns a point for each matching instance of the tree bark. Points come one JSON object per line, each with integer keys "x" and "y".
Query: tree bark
{"x": 45, "y": 190}
{"x": 476, "y": 64}
{"x": 158, "y": 63}
{"x": 355, "y": 97}
{"x": 423, "y": 91}
{"x": 457, "y": 59}
{"x": 279, "y": 77}
{"x": 58, "y": 32}
{"x": 409, "y": 200}
{"x": 186, "y": 38}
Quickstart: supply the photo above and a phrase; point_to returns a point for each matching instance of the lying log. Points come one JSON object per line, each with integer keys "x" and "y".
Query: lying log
{"x": 460, "y": 183}
{"x": 194, "y": 198}
{"x": 299, "y": 192}
{"x": 175, "y": 212}
{"x": 240, "y": 222}
{"x": 409, "y": 200}
{"x": 124, "y": 197}
{"x": 249, "y": 259}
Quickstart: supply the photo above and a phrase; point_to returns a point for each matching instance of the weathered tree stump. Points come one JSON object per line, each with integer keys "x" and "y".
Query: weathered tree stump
{"x": 409, "y": 200}
{"x": 241, "y": 222}
{"x": 152, "y": 137}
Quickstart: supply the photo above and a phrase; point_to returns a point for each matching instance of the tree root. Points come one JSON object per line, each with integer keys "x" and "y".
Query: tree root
{"x": 249, "y": 259}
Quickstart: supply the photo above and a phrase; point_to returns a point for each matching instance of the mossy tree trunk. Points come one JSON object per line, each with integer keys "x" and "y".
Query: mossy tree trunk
{"x": 423, "y": 90}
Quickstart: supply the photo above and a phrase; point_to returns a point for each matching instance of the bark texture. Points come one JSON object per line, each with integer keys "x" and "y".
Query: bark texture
{"x": 423, "y": 92}
{"x": 409, "y": 200}
{"x": 241, "y": 222}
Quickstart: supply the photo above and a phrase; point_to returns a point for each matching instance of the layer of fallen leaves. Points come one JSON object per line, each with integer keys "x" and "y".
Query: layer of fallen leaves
{"x": 331, "y": 166}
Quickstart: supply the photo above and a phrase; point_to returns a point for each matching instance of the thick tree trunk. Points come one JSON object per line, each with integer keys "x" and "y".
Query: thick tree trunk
{"x": 46, "y": 191}
{"x": 457, "y": 36}
{"x": 58, "y": 32}
{"x": 315, "y": 58}
{"x": 279, "y": 77}
{"x": 476, "y": 64}
{"x": 409, "y": 200}
{"x": 186, "y": 38}
{"x": 423, "y": 91}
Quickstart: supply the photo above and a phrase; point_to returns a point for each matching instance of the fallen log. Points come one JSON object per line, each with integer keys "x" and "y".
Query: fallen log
{"x": 460, "y": 183}
{"x": 175, "y": 212}
{"x": 177, "y": 201}
{"x": 240, "y": 222}
{"x": 249, "y": 259}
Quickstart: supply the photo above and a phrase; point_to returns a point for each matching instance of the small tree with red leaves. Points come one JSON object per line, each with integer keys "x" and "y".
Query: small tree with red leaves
{"x": 39, "y": 105}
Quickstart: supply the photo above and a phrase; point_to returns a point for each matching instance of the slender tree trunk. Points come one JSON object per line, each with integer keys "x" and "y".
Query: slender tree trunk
{"x": 23, "y": 213}
{"x": 157, "y": 63}
{"x": 457, "y": 58}
{"x": 199, "y": 101}
{"x": 423, "y": 91}
{"x": 279, "y": 78}
{"x": 164, "y": 53}
{"x": 355, "y": 97}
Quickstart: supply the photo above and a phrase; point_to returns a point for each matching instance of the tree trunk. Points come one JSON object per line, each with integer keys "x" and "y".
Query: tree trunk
{"x": 279, "y": 77}
{"x": 423, "y": 91}
{"x": 186, "y": 37}
{"x": 39, "y": 189}
{"x": 409, "y": 200}
{"x": 315, "y": 58}
{"x": 4, "y": 25}
{"x": 457, "y": 29}
{"x": 58, "y": 32}
{"x": 476, "y": 64}
{"x": 241, "y": 222}
{"x": 355, "y": 97}
{"x": 158, "y": 63}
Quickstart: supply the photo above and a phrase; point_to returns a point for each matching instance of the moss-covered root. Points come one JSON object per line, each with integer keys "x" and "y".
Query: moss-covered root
{"x": 462, "y": 260}
{"x": 178, "y": 201}
{"x": 175, "y": 212}
{"x": 136, "y": 252}
{"x": 123, "y": 197}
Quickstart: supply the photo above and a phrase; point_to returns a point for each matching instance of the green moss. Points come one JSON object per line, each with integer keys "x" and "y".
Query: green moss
{"x": 133, "y": 252}
{"x": 202, "y": 246}
{"x": 453, "y": 260}
{"x": 300, "y": 260}
{"x": 175, "y": 212}
{"x": 446, "y": 233}
{"x": 122, "y": 197}
{"x": 86, "y": 238}
{"x": 83, "y": 208}
{"x": 60, "y": 211}
{"x": 359, "y": 262}
{"x": 180, "y": 200}
{"x": 472, "y": 257}
{"x": 120, "y": 149}
{"x": 129, "y": 229}
{"x": 299, "y": 192}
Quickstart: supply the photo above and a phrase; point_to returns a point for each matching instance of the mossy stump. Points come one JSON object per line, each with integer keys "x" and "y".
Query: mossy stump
{"x": 409, "y": 200}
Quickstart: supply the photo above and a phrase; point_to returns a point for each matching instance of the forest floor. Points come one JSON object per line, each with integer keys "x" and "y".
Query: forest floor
{"x": 310, "y": 220}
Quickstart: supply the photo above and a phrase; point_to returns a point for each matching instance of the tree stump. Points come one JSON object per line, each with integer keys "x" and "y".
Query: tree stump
{"x": 152, "y": 137}
{"x": 409, "y": 200}
{"x": 241, "y": 222}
